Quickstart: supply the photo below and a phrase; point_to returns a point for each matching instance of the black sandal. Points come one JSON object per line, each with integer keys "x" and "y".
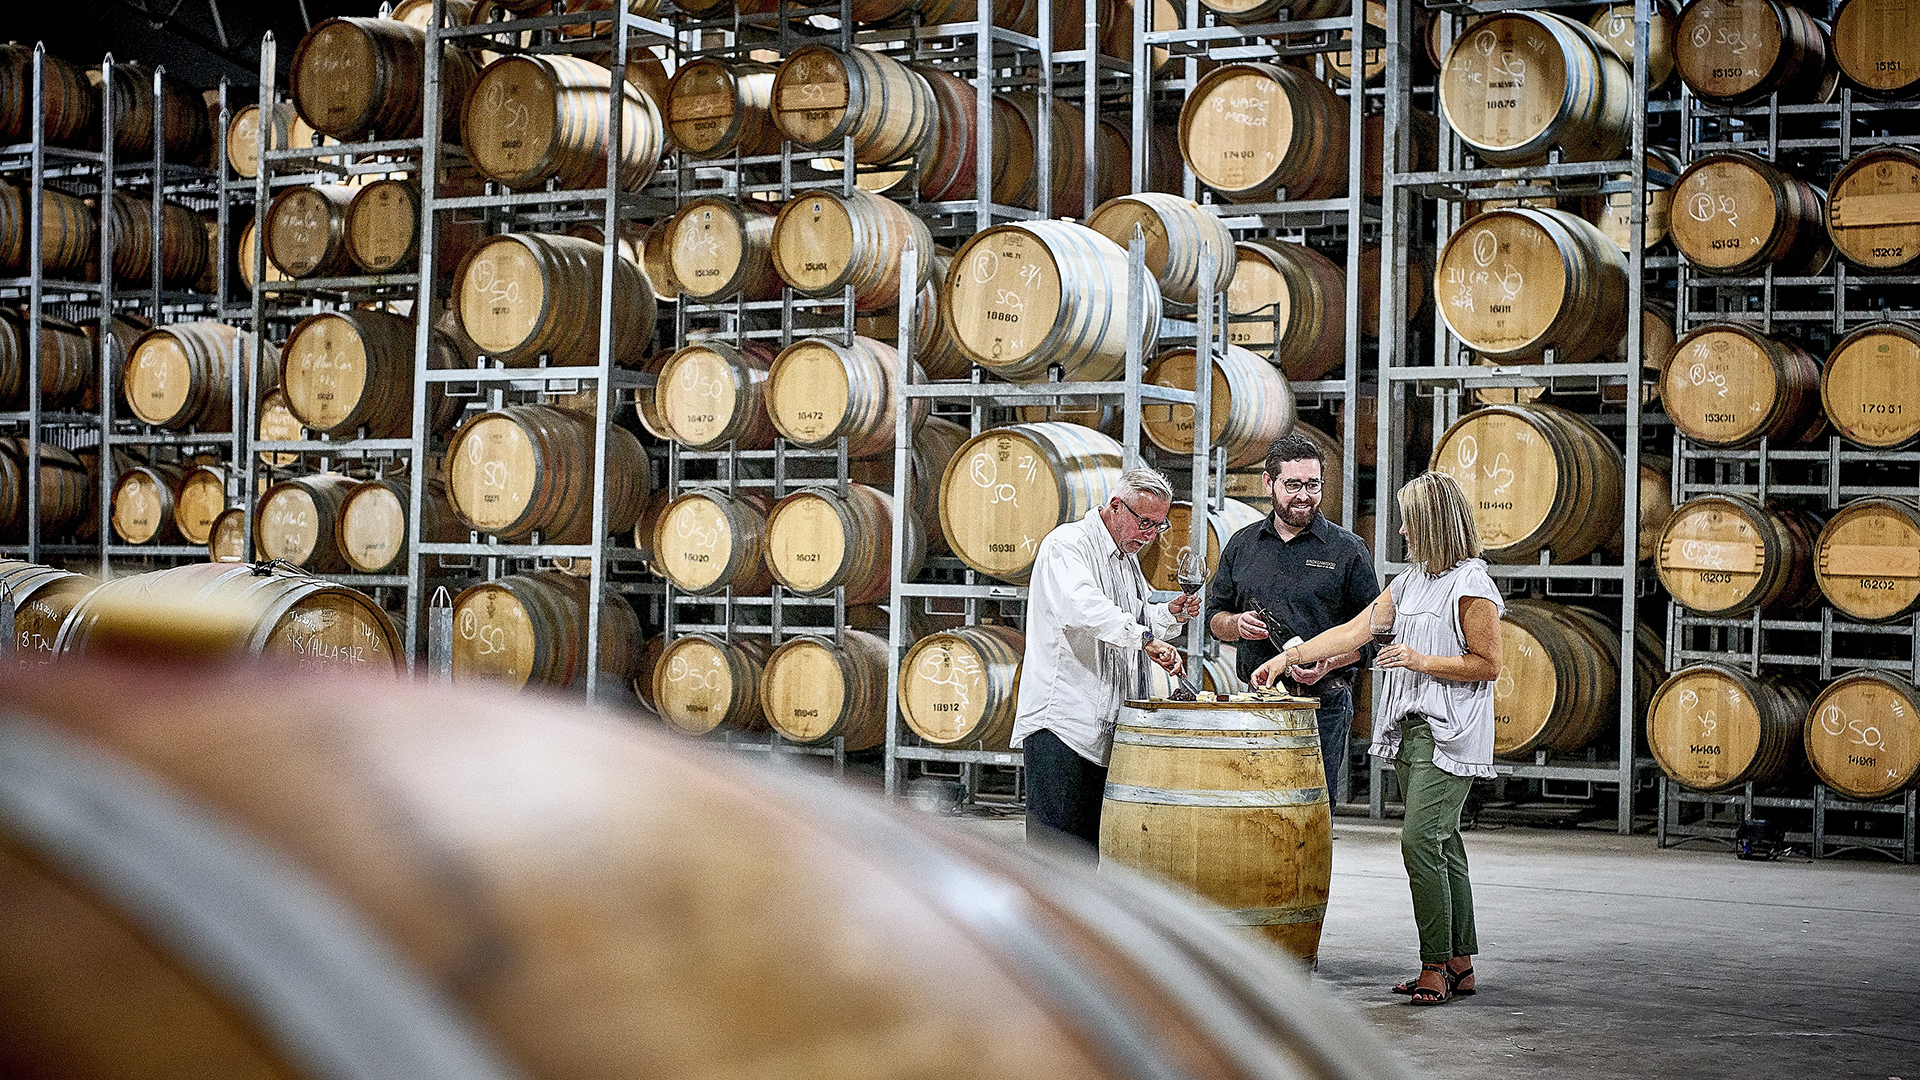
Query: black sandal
{"x": 1426, "y": 995}
{"x": 1455, "y": 978}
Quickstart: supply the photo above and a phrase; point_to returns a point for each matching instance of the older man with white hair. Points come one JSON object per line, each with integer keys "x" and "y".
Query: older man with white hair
{"x": 1090, "y": 632}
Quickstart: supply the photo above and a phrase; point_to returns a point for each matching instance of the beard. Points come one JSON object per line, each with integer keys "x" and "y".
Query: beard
{"x": 1296, "y": 516}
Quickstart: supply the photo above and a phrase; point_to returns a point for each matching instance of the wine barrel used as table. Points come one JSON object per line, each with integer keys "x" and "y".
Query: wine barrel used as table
{"x": 1729, "y": 386}
{"x": 957, "y": 687}
{"x": 708, "y": 541}
{"x": 1862, "y": 735}
{"x": 532, "y": 629}
{"x": 1228, "y": 800}
{"x": 1537, "y": 477}
{"x": 1251, "y": 405}
{"x": 1738, "y": 52}
{"x": 1870, "y": 386}
{"x": 1514, "y": 283}
{"x": 1288, "y": 303}
{"x": 1734, "y": 214}
{"x": 42, "y": 597}
{"x": 298, "y": 522}
{"x": 529, "y": 468}
{"x": 1873, "y": 209}
{"x": 1876, "y": 44}
{"x": 815, "y": 690}
{"x": 1006, "y": 489}
{"x": 1714, "y": 728}
{"x": 1724, "y": 555}
{"x": 1867, "y": 559}
{"x": 1249, "y": 130}
{"x": 1520, "y": 84}
{"x": 702, "y": 683}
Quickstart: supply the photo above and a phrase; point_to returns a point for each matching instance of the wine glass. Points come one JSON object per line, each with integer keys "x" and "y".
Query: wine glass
{"x": 1380, "y": 623}
{"x": 1193, "y": 570}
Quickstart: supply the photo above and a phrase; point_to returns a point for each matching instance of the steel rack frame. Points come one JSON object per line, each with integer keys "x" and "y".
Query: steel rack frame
{"x": 1721, "y": 816}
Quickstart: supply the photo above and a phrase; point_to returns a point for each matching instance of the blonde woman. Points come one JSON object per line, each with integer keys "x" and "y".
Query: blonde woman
{"x": 1433, "y": 713}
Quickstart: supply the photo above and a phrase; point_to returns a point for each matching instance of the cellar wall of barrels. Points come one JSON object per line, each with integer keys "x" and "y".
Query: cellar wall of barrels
{"x": 732, "y": 360}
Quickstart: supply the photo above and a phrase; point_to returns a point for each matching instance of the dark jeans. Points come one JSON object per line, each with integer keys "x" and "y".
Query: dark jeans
{"x": 1336, "y": 723}
{"x": 1063, "y": 794}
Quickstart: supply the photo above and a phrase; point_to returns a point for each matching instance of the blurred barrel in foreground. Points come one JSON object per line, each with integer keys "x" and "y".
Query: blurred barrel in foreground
{"x": 42, "y": 597}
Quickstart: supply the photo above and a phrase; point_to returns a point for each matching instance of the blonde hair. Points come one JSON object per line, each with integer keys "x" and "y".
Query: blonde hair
{"x": 1440, "y": 528}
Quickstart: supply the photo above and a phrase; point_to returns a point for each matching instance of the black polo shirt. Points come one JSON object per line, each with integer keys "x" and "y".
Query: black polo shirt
{"x": 1317, "y": 580}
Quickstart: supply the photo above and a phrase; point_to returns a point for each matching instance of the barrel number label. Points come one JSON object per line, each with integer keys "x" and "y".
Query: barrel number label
{"x": 960, "y": 674}
{"x": 1706, "y": 721}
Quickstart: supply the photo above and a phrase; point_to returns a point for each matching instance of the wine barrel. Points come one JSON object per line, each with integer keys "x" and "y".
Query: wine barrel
{"x": 69, "y": 234}
{"x": 1714, "y": 728}
{"x": 180, "y": 376}
{"x": 645, "y": 667}
{"x": 718, "y": 109}
{"x": 1613, "y": 23}
{"x": 532, "y": 629}
{"x": 1727, "y": 385}
{"x": 42, "y": 597}
{"x": 1249, "y": 130}
{"x": 819, "y": 538}
{"x": 1514, "y": 283}
{"x": 935, "y": 348}
{"x": 1873, "y": 210}
{"x": 1337, "y": 63}
{"x": 419, "y": 13}
{"x": 702, "y": 683}
{"x": 536, "y": 118}
{"x": 934, "y": 446}
{"x": 284, "y": 615}
{"x": 278, "y": 424}
{"x": 1160, "y": 560}
{"x": 522, "y": 296}
{"x": 1116, "y": 38}
{"x": 1613, "y": 214}
{"x": 187, "y": 135}
{"x": 1026, "y": 297}
{"x": 1867, "y": 560}
{"x": 1862, "y": 735}
{"x": 144, "y": 501}
{"x": 822, "y": 95}
{"x": 1876, "y": 48}
{"x": 957, "y": 687}
{"x": 307, "y": 231}
{"x": 373, "y": 524}
{"x": 1259, "y": 11}
{"x": 298, "y": 522}
{"x": 1737, "y": 52}
{"x": 824, "y": 243}
{"x": 528, "y": 469}
{"x": 1288, "y": 303}
{"x": 815, "y": 690}
{"x": 1539, "y": 478}
{"x": 720, "y": 249}
{"x": 354, "y": 78}
{"x": 343, "y": 371}
{"x": 1176, "y": 231}
{"x": 709, "y": 394}
{"x": 227, "y": 543}
{"x": 948, "y": 162}
{"x": 201, "y": 501}
{"x": 243, "y": 136}
{"x": 1251, "y": 405}
{"x": 66, "y": 498}
{"x": 71, "y": 108}
{"x": 243, "y": 259}
{"x": 1724, "y": 555}
{"x": 1419, "y": 281}
{"x": 184, "y": 250}
{"x": 1006, "y": 489}
{"x": 1229, "y": 802}
{"x": 1870, "y": 386}
{"x": 818, "y": 390}
{"x": 383, "y": 227}
{"x": 1559, "y": 681}
{"x": 66, "y": 362}
{"x": 1740, "y": 213}
{"x": 708, "y": 541}
{"x": 1520, "y": 84}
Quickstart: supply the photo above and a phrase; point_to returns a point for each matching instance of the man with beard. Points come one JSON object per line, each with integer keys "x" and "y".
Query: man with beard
{"x": 1090, "y": 633}
{"x": 1309, "y": 572}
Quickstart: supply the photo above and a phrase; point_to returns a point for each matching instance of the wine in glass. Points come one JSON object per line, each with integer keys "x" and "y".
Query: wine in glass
{"x": 1381, "y": 625}
{"x": 1193, "y": 570}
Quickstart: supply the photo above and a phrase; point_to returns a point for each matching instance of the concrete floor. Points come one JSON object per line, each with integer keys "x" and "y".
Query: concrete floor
{"x": 1604, "y": 956}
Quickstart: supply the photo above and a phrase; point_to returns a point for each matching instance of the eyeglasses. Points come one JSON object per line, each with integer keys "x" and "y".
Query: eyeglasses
{"x": 1154, "y": 527}
{"x": 1295, "y": 487}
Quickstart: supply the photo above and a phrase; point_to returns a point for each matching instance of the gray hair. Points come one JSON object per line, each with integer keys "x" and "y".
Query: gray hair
{"x": 1144, "y": 481}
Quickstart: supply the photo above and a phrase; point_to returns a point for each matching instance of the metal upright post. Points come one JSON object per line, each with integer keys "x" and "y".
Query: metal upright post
{"x": 156, "y": 204}
{"x": 902, "y": 467}
{"x": 1630, "y": 512}
{"x": 1136, "y": 358}
{"x": 36, "y": 298}
{"x": 108, "y": 153}
{"x": 269, "y": 62}
{"x": 422, "y": 439}
{"x": 1203, "y": 354}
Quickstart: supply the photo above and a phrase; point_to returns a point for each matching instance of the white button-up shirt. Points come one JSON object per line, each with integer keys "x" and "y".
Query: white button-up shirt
{"x": 1087, "y": 611}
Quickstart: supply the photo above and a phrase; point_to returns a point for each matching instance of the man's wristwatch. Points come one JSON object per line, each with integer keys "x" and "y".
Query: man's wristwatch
{"x": 1146, "y": 638}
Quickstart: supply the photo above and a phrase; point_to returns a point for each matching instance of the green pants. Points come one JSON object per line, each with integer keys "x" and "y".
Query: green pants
{"x": 1430, "y": 845}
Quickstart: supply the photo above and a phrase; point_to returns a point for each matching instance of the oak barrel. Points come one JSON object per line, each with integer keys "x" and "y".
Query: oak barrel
{"x": 1537, "y": 477}
{"x": 532, "y": 629}
{"x": 144, "y": 500}
{"x": 947, "y": 162}
{"x": 1714, "y": 728}
{"x": 1160, "y": 560}
{"x": 720, "y": 249}
{"x": 202, "y": 499}
{"x": 1520, "y": 84}
{"x": 71, "y": 113}
{"x": 1876, "y": 45}
{"x": 298, "y": 522}
{"x": 1613, "y": 214}
{"x": 710, "y": 394}
{"x": 1867, "y": 560}
{"x": 1288, "y": 303}
{"x": 1513, "y": 283}
{"x": 42, "y": 598}
{"x": 185, "y": 251}
{"x": 277, "y": 424}
{"x": 187, "y": 135}
{"x": 1558, "y": 688}
{"x": 708, "y": 541}
{"x": 1006, "y": 489}
{"x": 243, "y": 136}
{"x": 818, "y": 390}
{"x": 1738, "y": 52}
{"x": 702, "y": 683}
{"x": 243, "y": 258}
{"x": 1724, "y": 555}
{"x": 354, "y": 77}
{"x": 227, "y": 543}
{"x": 307, "y": 231}
{"x": 935, "y": 348}
{"x": 1737, "y": 213}
{"x": 1862, "y": 735}
{"x": 1176, "y": 230}
{"x": 824, "y": 243}
{"x": 1614, "y": 24}
{"x": 717, "y": 109}
{"x": 373, "y": 524}
{"x": 283, "y": 615}
{"x": 1249, "y": 130}
{"x": 1230, "y": 802}
{"x": 1727, "y": 385}
{"x": 522, "y": 296}
{"x": 1870, "y": 386}
{"x": 67, "y": 370}
{"x": 819, "y": 538}
{"x": 822, "y": 95}
{"x": 1251, "y": 405}
{"x": 345, "y": 370}
{"x": 66, "y": 497}
{"x": 957, "y": 687}
{"x": 383, "y": 228}
{"x": 816, "y": 690}
{"x": 535, "y": 118}
{"x": 528, "y": 469}
{"x": 1259, "y": 11}
{"x": 1215, "y": 676}
{"x": 69, "y": 234}
{"x": 1028, "y": 296}
{"x": 1873, "y": 209}
{"x": 644, "y": 668}
{"x": 180, "y": 376}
